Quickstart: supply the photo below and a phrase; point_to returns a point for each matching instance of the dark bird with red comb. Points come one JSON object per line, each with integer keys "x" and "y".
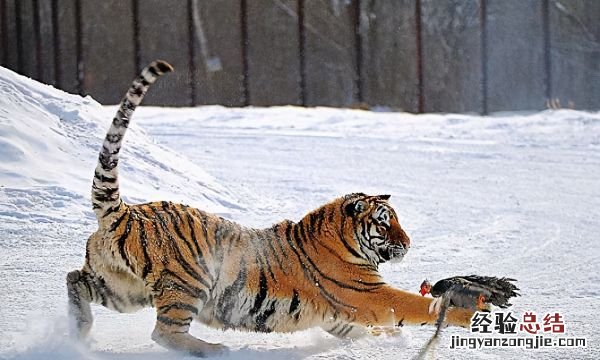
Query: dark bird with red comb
{"x": 473, "y": 291}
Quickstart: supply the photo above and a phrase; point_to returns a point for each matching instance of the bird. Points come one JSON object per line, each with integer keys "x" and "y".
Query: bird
{"x": 472, "y": 292}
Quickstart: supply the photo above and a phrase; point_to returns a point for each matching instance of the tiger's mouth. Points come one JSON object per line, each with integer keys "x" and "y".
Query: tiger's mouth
{"x": 393, "y": 253}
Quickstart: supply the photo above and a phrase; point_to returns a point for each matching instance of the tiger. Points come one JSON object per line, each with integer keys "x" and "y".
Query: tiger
{"x": 188, "y": 264}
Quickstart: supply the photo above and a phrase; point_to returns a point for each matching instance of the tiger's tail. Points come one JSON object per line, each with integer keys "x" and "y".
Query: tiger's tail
{"x": 106, "y": 198}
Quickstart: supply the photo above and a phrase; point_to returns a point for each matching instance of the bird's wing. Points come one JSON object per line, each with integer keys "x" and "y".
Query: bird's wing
{"x": 466, "y": 295}
{"x": 501, "y": 289}
{"x": 460, "y": 294}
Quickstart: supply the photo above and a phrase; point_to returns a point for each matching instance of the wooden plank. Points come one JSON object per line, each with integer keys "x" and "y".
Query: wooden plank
{"x": 575, "y": 53}
{"x": 28, "y": 54}
{"x": 273, "y": 53}
{"x": 515, "y": 53}
{"x": 107, "y": 49}
{"x": 46, "y": 37}
{"x": 452, "y": 70}
{"x": 3, "y": 34}
{"x": 67, "y": 73}
{"x": 167, "y": 38}
{"x": 11, "y": 57}
{"x": 330, "y": 53}
{"x": 388, "y": 30}
{"x": 218, "y": 59}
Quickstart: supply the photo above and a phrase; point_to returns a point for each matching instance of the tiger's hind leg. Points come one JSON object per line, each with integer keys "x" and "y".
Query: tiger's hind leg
{"x": 80, "y": 296}
{"x": 114, "y": 290}
{"x": 176, "y": 306}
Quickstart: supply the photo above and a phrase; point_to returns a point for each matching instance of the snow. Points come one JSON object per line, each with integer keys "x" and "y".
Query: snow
{"x": 49, "y": 143}
{"x": 514, "y": 194}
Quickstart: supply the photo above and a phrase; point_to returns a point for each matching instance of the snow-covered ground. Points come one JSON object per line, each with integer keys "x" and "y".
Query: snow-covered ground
{"x": 510, "y": 194}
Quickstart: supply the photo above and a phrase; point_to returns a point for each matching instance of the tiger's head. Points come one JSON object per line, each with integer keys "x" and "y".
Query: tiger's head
{"x": 372, "y": 223}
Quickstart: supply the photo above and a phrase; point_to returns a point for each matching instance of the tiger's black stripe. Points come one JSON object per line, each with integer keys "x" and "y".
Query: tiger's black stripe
{"x": 227, "y": 300}
{"x": 262, "y": 293}
{"x": 148, "y": 212}
{"x": 345, "y": 332}
{"x": 182, "y": 285}
{"x": 238, "y": 237}
{"x": 332, "y": 300}
{"x": 186, "y": 266}
{"x": 362, "y": 243}
{"x": 344, "y": 241}
{"x": 298, "y": 234}
{"x": 174, "y": 219}
{"x": 264, "y": 263}
{"x": 309, "y": 230}
{"x": 143, "y": 237}
{"x": 194, "y": 241}
{"x": 323, "y": 275}
{"x": 261, "y": 253}
{"x": 277, "y": 240}
{"x": 222, "y": 231}
{"x": 262, "y": 318}
{"x": 110, "y": 210}
{"x": 203, "y": 222}
{"x": 104, "y": 178}
{"x": 121, "y": 243}
{"x": 171, "y": 321}
{"x": 295, "y": 303}
{"x": 107, "y": 294}
{"x": 118, "y": 221}
{"x": 178, "y": 306}
{"x": 201, "y": 261}
{"x": 269, "y": 241}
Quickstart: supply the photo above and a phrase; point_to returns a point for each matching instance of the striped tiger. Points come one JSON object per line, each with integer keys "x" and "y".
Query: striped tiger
{"x": 321, "y": 271}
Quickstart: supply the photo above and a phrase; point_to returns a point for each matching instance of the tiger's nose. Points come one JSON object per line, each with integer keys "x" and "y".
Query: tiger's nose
{"x": 404, "y": 239}
{"x": 399, "y": 236}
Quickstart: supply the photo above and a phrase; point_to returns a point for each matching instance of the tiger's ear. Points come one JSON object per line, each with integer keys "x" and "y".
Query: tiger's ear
{"x": 356, "y": 207}
{"x": 383, "y": 197}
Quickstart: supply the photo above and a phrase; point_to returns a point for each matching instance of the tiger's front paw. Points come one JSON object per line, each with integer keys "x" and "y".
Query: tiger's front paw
{"x": 384, "y": 330}
{"x": 212, "y": 350}
{"x": 185, "y": 343}
{"x": 435, "y": 306}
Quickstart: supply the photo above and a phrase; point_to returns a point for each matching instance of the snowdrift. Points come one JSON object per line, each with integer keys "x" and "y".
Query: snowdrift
{"x": 49, "y": 143}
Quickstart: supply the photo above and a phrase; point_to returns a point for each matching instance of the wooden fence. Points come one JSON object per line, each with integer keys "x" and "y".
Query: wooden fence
{"x": 415, "y": 55}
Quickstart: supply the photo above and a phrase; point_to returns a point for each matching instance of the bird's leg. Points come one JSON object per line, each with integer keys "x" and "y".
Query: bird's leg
{"x": 481, "y": 302}
{"x": 430, "y": 345}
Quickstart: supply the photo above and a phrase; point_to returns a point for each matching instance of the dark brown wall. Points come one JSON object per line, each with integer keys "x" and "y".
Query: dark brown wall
{"x": 330, "y": 53}
{"x": 414, "y": 55}
{"x": 389, "y": 61}
{"x": 108, "y": 48}
{"x": 575, "y": 52}
{"x": 10, "y": 35}
{"x": 273, "y": 52}
{"x": 452, "y": 62}
{"x": 159, "y": 37}
{"x": 516, "y": 76}
{"x": 46, "y": 65}
{"x": 219, "y": 54}
{"x": 66, "y": 46}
